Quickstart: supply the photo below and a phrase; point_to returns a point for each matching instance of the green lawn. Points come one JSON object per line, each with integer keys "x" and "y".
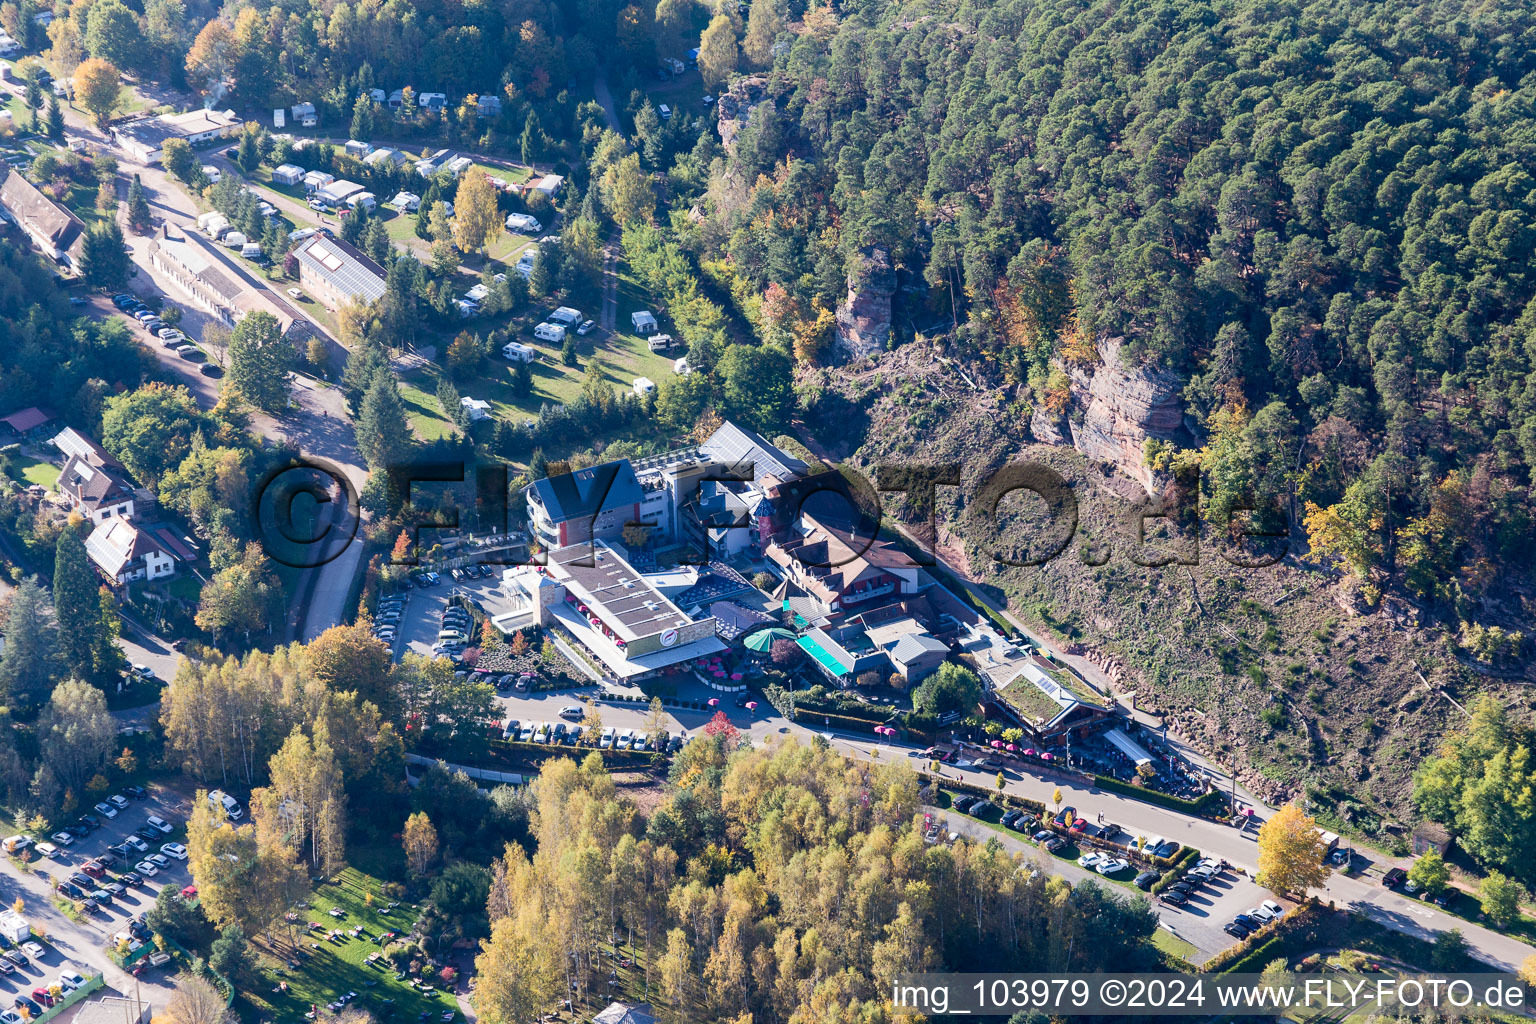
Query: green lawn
{"x": 419, "y": 393}
{"x": 337, "y": 968}
{"x": 36, "y": 471}
{"x": 1174, "y": 946}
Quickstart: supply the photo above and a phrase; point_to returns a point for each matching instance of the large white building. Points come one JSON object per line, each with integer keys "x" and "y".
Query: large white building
{"x": 608, "y": 606}
{"x": 144, "y": 138}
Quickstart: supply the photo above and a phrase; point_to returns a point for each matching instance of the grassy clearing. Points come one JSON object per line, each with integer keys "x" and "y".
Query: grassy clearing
{"x": 421, "y": 407}
{"x": 1174, "y": 946}
{"x": 36, "y": 471}
{"x": 337, "y": 968}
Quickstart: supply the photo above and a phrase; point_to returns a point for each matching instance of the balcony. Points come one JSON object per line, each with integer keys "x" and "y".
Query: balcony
{"x": 867, "y": 593}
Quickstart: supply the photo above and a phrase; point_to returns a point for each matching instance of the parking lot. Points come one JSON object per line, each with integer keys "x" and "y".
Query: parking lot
{"x": 421, "y": 611}
{"x": 1201, "y": 920}
{"x": 80, "y": 945}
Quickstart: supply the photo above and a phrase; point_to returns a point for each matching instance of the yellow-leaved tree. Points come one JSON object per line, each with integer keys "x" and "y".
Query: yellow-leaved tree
{"x": 476, "y": 219}
{"x": 1291, "y": 853}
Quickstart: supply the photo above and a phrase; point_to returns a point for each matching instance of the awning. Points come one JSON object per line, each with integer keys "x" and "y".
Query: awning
{"x": 1129, "y": 747}
{"x": 823, "y": 659}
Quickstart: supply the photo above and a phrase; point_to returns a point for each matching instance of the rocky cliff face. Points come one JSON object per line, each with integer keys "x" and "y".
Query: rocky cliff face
{"x": 736, "y": 105}
{"x": 864, "y": 315}
{"x": 1115, "y": 408}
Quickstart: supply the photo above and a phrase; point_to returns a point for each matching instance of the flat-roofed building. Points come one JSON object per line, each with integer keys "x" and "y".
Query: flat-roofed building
{"x": 595, "y": 596}
{"x": 144, "y": 138}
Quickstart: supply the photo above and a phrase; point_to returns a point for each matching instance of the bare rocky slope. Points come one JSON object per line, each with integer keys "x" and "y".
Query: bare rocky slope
{"x": 1274, "y": 670}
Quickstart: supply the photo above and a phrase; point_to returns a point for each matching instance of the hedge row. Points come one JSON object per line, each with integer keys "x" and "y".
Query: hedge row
{"x": 1175, "y": 869}
{"x": 991, "y": 794}
{"x": 1278, "y": 940}
{"x": 1200, "y": 808}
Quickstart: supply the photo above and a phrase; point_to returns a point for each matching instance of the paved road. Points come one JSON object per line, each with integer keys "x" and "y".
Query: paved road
{"x": 1095, "y": 676}
{"x": 318, "y": 422}
{"x": 1364, "y": 895}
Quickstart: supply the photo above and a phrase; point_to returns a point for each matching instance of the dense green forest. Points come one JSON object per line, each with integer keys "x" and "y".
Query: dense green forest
{"x": 1319, "y": 216}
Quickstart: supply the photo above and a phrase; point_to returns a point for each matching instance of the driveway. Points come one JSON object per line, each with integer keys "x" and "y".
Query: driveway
{"x": 83, "y": 943}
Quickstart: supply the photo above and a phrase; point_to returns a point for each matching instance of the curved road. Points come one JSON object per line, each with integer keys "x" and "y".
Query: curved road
{"x": 318, "y": 422}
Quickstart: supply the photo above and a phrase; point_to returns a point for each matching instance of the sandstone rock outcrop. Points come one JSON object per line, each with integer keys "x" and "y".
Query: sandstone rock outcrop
{"x": 1116, "y": 407}
{"x": 864, "y": 315}
{"x": 736, "y": 105}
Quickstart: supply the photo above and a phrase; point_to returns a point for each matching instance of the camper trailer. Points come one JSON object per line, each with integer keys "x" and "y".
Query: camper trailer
{"x": 552, "y": 333}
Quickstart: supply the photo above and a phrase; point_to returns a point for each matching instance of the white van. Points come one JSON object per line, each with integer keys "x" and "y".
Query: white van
{"x": 552, "y": 333}
{"x": 219, "y": 798}
{"x": 626, "y": 738}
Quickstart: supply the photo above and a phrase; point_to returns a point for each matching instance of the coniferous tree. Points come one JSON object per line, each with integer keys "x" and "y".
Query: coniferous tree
{"x": 29, "y": 662}
{"x": 76, "y": 604}
{"x": 109, "y": 628}
{"x": 364, "y": 363}
{"x": 139, "y": 218}
{"x": 383, "y": 433}
{"x": 103, "y": 261}
{"x": 55, "y": 126}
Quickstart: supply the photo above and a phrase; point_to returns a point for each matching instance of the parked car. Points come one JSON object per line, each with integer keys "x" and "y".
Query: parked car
{"x": 137, "y": 792}
{"x": 1394, "y": 878}
{"x": 175, "y": 850}
{"x": 1247, "y": 922}
{"x": 146, "y": 869}
{"x": 586, "y": 328}
{"x": 1053, "y": 844}
{"x": 1174, "y": 897}
{"x": 1145, "y": 880}
{"x": 63, "y": 838}
{"x": 106, "y": 810}
{"x": 1235, "y": 930}
{"x": 159, "y": 823}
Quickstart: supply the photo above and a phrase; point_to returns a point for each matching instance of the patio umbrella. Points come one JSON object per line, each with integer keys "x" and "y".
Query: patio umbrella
{"x": 1012, "y": 747}
{"x": 1045, "y": 757}
{"x": 762, "y": 640}
{"x": 714, "y": 702}
{"x": 751, "y": 705}
{"x": 736, "y": 677}
{"x": 1029, "y": 752}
